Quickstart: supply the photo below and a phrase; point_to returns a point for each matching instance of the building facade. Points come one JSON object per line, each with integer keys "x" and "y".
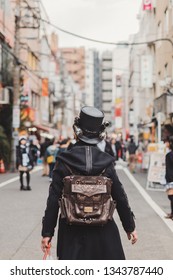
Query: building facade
{"x": 106, "y": 83}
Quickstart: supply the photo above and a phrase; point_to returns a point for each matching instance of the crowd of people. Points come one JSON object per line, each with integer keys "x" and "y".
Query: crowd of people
{"x": 29, "y": 151}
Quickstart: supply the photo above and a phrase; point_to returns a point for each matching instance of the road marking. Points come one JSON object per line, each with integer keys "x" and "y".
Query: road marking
{"x": 36, "y": 168}
{"x": 148, "y": 199}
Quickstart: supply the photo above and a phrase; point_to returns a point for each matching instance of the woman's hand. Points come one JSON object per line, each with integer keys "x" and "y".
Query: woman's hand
{"x": 132, "y": 236}
{"x": 45, "y": 243}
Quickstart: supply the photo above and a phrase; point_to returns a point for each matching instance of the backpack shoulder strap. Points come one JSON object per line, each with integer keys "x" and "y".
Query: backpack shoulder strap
{"x": 68, "y": 168}
{"x": 72, "y": 172}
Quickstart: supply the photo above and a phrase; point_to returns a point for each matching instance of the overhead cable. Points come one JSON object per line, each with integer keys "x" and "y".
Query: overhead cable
{"x": 105, "y": 42}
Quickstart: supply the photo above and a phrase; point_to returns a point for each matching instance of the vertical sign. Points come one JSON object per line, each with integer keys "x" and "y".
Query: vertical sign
{"x": 45, "y": 87}
{"x": 16, "y": 117}
{"x": 118, "y": 103}
{"x": 146, "y": 71}
{"x": 147, "y": 5}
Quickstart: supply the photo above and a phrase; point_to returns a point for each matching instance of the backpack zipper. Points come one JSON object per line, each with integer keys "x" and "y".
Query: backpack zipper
{"x": 88, "y": 159}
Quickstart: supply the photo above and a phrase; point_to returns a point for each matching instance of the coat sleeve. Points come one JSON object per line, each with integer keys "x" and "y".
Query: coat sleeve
{"x": 49, "y": 220}
{"x": 122, "y": 204}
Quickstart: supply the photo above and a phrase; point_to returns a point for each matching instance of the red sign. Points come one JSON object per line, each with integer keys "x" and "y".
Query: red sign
{"x": 147, "y": 5}
{"x": 118, "y": 112}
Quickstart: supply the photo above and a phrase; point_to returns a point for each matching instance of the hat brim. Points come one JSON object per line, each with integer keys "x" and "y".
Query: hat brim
{"x": 89, "y": 140}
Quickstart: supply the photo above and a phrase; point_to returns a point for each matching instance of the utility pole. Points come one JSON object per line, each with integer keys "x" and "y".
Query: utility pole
{"x": 62, "y": 94}
{"x": 16, "y": 85}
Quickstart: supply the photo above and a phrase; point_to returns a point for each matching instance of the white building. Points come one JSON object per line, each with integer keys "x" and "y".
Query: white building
{"x": 89, "y": 78}
{"x": 142, "y": 74}
{"x": 106, "y": 76}
{"x": 120, "y": 76}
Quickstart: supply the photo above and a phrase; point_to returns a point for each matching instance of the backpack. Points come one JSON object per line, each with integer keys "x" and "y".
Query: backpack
{"x": 87, "y": 200}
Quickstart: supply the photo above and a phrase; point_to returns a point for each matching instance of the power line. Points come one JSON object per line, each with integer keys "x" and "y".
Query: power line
{"x": 105, "y": 42}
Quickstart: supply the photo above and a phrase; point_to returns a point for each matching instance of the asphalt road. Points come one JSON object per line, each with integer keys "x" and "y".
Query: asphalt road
{"x": 21, "y": 214}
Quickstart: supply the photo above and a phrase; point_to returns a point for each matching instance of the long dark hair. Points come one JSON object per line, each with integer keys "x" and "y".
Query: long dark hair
{"x": 171, "y": 143}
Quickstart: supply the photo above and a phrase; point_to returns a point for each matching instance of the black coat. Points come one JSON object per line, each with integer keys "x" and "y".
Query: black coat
{"x": 87, "y": 242}
{"x": 169, "y": 167}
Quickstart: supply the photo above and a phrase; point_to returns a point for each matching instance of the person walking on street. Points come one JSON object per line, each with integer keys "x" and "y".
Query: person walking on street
{"x": 169, "y": 176}
{"x": 24, "y": 162}
{"x": 43, "y": 148}
{"x": 35, "y": 150}
{"x": 132, "y": 148}
{"x": 87, "y": 242}
{"x": 51, "y": 153}
{"x": 105, "y": 146}
{"x": 63, "y": 146}
{"x": 118, "y": 147}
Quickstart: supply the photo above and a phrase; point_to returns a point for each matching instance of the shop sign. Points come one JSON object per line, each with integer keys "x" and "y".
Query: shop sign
{"x": 147, "y": 5}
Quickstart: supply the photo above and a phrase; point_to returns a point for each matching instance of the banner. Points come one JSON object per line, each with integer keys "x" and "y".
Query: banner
{"x": 45, "y": 87}
{"x": 147, "y": 5}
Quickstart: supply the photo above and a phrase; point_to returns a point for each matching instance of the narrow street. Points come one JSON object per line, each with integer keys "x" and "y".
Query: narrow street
{"x": 21, "y": 214}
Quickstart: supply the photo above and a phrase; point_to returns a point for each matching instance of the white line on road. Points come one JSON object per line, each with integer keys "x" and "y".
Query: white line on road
{"x": 148, "y": 199}
{"x": 37, "y": 168}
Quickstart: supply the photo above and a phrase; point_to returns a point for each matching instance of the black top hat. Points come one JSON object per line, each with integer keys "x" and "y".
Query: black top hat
{"x": 89, "y": 127}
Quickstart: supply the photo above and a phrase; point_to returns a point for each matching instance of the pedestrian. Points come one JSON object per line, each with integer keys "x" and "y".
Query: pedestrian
{"x": 113, "y": 141}
{"x": 169, "y": 175}
{"x": 86, "y": 242}
{"x": 24, "y": 162}
{"x": 35, "y": 150}
{"x": 43, "y": 148}
{"x": 63, "y": 145}
{"x": 132, "y": 148}
{"x": 118, "y": 146}
{"x": 51, "y": 154}
{"x": 105, "y": 146}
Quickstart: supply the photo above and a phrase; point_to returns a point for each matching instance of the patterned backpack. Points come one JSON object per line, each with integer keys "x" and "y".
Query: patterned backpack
{"x": 87, "y": 200}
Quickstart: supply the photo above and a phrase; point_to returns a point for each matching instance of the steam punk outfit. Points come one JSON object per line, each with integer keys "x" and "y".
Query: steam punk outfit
{"x": 86, "y": 242}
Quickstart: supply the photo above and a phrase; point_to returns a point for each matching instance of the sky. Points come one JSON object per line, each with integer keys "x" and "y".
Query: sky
{"x": 105, "y": 20}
